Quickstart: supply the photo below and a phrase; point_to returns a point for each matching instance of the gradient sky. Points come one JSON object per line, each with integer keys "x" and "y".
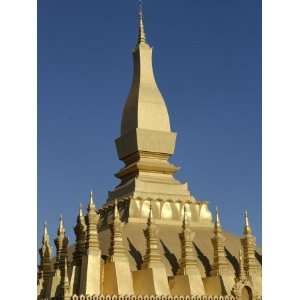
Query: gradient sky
{"x": 207, "y": 62}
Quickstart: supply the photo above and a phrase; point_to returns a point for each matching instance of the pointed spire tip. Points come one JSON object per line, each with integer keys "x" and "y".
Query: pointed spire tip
{"x": 218, "y": 222}
{"x": 61, "y": 229}
{"x": 247, "y": 227}
{"x": 46, "y": 235}
{"x": 246, "y": 218}
{"x": 91, "y": 201}
{"x": 141, "y": 35}
{"x": 80, "y": 210}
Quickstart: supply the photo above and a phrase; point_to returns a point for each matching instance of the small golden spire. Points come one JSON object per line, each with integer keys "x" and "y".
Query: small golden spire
{"x": 141, "y": 35}
{"x": 65, "y": 285}
{"x": 247, "y": 227}
{"x": 218, "y": 227}
{"x": 91, "y": 201}
{"x": 91, "y": 197}
{"x": 61, "y": 229}
{"x": 45, "y": 255}
{"x": 80, "y": 210}
{"x": 46, "y": 238}
{"x": 45, "y": 229}
{"x": 80, "y": 217}
{"x": 218, "y": 217}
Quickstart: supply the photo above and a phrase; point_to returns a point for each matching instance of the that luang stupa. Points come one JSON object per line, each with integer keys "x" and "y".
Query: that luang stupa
{"x": 151, "y": 240}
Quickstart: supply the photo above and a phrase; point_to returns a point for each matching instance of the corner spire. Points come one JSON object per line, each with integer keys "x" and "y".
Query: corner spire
{"x": 45, "y": 267}
{"x": 249, "y": 248}
{"x": 141, "y": 34}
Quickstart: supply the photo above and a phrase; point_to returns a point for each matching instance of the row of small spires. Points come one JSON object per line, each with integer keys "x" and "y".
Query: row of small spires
{"x": 217, "y": 224}
{"x": 87, "y": 238}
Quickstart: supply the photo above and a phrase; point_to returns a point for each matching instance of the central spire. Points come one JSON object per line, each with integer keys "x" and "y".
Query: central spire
{"x": 145, "y": 129}
{"x": 145, "y": 107}
{"x": 147, "y": 142}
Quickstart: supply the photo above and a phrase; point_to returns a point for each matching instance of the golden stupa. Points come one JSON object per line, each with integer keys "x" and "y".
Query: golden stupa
{"x": 151, "y": 240}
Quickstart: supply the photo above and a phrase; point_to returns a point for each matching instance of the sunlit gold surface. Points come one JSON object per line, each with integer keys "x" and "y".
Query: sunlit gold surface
{"x": 151, "y": 237}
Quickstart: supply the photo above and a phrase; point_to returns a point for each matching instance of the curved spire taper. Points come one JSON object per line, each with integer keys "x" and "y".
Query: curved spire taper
{"x": 145, "y": 107}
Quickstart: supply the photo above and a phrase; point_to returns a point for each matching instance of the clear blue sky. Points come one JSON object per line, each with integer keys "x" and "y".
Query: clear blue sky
{"x": 207, "y": 61}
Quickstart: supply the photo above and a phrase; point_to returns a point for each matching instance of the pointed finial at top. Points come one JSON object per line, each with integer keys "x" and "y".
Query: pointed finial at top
{"x": 218, "y": 227}
{"x": 246, "y": 218}
{"x": 80, "y": 210}
{"x": 45, "y": 227}
{"x": 91, "y": 200}
{"x": 218, "y": 217}
{"x": 45, "y": 235}
{"x": 142, "y": 35}
{"x": 247, "y": 227}
{"x": 61, "y": 229}
{"x": 91, "y": 196}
